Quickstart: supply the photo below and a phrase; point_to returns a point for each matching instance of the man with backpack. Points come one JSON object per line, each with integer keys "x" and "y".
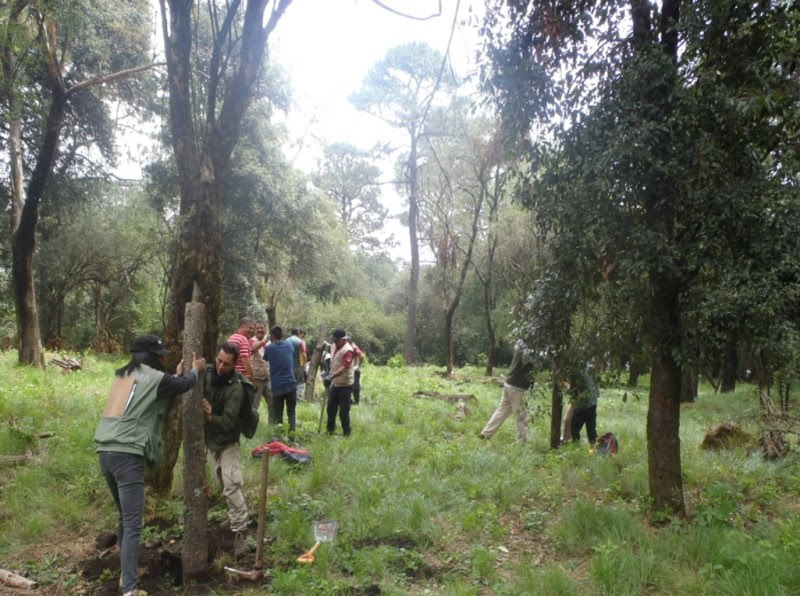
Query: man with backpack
{"x": 226, "y": 394}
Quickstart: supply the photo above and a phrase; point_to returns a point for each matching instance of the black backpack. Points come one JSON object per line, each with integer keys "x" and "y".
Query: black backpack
{"x": 248, "y": 415}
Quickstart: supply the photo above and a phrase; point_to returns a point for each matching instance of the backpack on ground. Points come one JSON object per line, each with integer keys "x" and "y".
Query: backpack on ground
{"x": 248, "y": 415}
{"x": 607, "y": 444}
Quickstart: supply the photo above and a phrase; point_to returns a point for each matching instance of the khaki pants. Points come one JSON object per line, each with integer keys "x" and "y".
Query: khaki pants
{"x": 228, "y": 476}
{"x": 513, "y": 400}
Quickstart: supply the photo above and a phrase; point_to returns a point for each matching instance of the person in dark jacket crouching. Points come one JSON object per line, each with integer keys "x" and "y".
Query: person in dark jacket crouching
{"x": 129, "y": 436}
{"x": 224, "y": 393}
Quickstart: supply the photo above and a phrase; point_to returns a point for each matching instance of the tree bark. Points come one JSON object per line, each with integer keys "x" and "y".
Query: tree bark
{"x": 202, "y": 158}
{"x": 730, "y": 364}
{"x": 272, "y": 316}
{"x": 634, "y": 370}
{"x": 491, "y": 335}
{"x": 448, "y": 340}
{"x": 689, "y": 385}
{"x": 23, "y": 240}
{"x": 664, "y": 413}
{"x": 198, "y": 261}
{"x": 194, "y": 552}
{"x": 25, "y": 216}
{"x": 413, "y": 284}
{"x": 556, "y": 406}
{"x": 450, "y": 309}
{"x": 313, "y": 366}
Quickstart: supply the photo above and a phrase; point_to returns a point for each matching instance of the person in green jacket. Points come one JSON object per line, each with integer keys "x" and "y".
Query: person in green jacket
{"x": 224, "y": 394}
{"x": 129, "y": 437}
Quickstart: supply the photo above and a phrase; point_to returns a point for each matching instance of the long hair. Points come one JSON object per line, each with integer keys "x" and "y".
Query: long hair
{"x": 137, "y": 359}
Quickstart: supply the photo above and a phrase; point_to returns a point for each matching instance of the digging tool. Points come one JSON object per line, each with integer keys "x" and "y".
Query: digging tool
{"x": 262, "y": 510}
{"x": 257, "y": 572}
{"x": 324, "y": 531}
{"x": 253, "y": 575}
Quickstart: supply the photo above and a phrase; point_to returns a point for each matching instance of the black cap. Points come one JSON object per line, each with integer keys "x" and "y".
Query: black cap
{"x": 339, "y": 334}
{"x": 149, "y": 343}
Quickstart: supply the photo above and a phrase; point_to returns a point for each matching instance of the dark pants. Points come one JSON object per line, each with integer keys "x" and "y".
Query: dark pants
{"x": 357, "y": 386}
{"x": 124, "y": 473}
{"x": 291, "y": 403}
{"x": 587, "y": 417}
{"x": 339, "y": 399}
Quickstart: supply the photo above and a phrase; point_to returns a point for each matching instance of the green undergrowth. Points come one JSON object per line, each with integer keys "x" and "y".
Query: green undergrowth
{"x": 424, "y": 505}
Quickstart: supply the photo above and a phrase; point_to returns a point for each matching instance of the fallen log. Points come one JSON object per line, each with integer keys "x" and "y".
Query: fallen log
{"x": 15, "y": 460}
{"x": 66, "y": 363}
{"x": 444, "y": 397}
{"x": 16, "y": 581}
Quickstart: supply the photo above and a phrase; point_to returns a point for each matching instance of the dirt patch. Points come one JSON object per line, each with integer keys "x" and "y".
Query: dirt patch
{"x": 160, "y": 567}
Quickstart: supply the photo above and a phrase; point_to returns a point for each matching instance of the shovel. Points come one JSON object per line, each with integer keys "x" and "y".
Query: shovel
{"x": 324, "y": 531}
{"x": 257, "y": 572}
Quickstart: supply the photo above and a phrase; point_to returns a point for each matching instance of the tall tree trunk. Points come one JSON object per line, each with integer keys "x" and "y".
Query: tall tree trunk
{"x": 202, "y": 158}
{"x": 730, "y": 363}
{"x": 450, "y": 310}
{"x": 194, "y": 555}
{"x": 23, "y": 240}
{"x": 764, "y": 376}
{"x": 272, "y": 316}
{"x": 491, "y": 336}
{"x": 689, "y": 385}
{"x": 413, "y": 284}
{"x": 313, "y": 367}
{"x": 448, "y": 340}
{"x": 556, "y": 407}
{"x": 664, "y": 411}
{"x": 198, "y": 261}
{"x": 25, "y": 217}
{"x": 634, "y": 370}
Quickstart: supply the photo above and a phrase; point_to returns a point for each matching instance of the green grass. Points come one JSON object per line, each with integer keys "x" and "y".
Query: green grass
{"x": 424, "y": 505}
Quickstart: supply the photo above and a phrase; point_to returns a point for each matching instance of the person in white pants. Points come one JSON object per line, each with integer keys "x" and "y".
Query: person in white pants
{"x": 518, "y": 380}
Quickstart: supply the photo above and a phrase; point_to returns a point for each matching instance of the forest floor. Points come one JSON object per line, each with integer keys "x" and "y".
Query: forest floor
{"x": 424, "y": 506}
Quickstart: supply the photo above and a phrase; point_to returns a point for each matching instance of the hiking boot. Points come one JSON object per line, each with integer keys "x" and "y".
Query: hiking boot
{"x": 135, "y": 593}
{"x": 240, "y": 543}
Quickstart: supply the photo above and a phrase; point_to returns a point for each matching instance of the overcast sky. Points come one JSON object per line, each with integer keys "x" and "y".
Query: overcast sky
{"x": 328, "y": 47}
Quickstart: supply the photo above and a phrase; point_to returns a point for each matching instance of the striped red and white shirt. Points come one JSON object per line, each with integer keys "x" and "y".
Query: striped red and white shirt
{"x": 244, "y": 351}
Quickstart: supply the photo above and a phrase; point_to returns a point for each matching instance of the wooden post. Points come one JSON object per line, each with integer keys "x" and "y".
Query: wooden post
{"x": 195, "y": 537}
{"x": 262, "y": 510}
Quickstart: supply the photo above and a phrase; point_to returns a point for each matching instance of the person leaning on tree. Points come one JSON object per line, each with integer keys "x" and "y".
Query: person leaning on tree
{"x": 224, "y": 393}
{"x": 129, "y": 437}
{"x": 518, "y": 380}
{"x": 341, "y": 377}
